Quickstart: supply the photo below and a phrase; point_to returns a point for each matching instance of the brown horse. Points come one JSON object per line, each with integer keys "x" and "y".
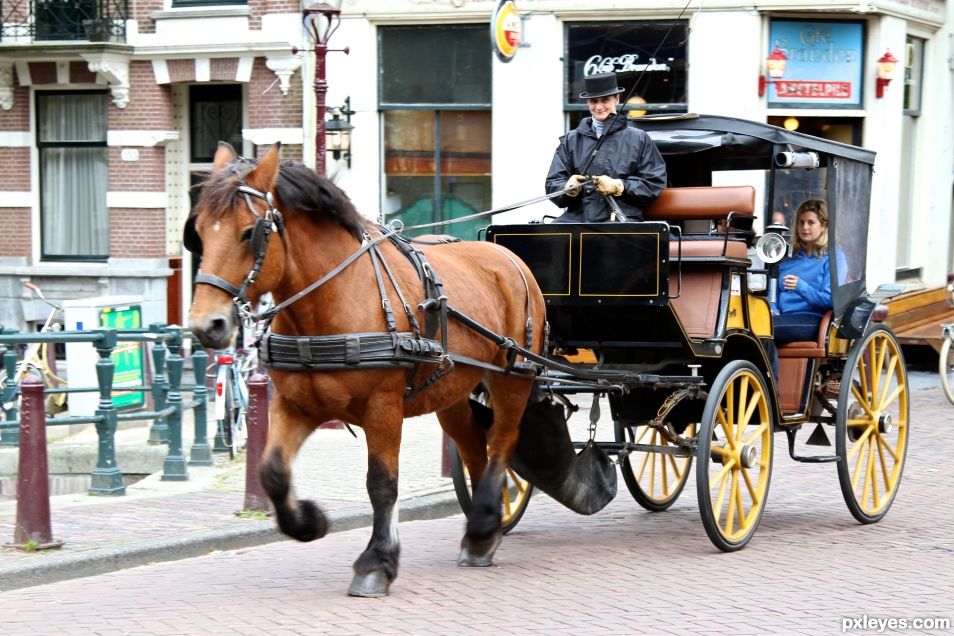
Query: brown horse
{"x": 316, "y": 230}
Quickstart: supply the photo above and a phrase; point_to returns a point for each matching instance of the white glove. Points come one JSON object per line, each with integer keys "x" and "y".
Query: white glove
{"x": 572, "y": 187}
{"x": 608, "y": 186}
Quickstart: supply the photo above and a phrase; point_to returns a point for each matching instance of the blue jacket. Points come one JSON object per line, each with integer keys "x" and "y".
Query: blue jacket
{"x": 812, "y": 294}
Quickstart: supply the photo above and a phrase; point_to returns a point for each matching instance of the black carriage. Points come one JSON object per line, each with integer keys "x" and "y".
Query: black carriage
{"x": 670, "y": 319}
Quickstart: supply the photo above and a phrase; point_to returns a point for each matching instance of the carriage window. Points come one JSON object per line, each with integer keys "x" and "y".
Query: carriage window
{"x": 437, "y": 125}
{"x": 71, "y": 140}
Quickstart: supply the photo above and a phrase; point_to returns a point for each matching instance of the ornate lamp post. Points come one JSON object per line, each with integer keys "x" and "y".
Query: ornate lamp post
{"x": 321, "y": 19}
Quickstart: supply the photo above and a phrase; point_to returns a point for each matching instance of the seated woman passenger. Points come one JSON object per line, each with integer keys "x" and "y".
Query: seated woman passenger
{"x": 805, "y": 278}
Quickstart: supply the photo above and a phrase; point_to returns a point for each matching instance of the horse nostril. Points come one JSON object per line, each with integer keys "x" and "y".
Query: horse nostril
{"x": 218, "y": 327}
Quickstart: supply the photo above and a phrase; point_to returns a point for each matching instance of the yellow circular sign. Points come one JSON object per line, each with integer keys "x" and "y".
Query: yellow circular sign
{"x": 505, "y": 30}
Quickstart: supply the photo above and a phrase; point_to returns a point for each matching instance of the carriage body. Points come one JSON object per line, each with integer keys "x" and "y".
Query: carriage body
{"x": 674, "y": 312}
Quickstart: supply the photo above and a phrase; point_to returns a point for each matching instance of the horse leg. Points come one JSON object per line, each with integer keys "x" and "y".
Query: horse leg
{"x": 299, "y": 519}
{"x": 483, "y": 534}
{"x": 377, "y": 566}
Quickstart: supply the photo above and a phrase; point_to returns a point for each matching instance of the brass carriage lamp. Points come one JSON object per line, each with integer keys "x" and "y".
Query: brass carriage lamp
{"x": 339, "y": 132}
{"x": 775, "y": 63}
{"x": 886, "y": 65}
{"x": 321, "y": 19}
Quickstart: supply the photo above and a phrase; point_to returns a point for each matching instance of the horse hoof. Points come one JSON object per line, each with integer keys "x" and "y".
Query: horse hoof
{"x": 467, "y": 560}
{"x": 372, "y": 585}
{"x": 479, "y": 553}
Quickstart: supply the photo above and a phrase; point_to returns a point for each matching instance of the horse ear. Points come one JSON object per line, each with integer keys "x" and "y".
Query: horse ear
{"x": 224, "y": 156}
{"x": 265, "y": 174}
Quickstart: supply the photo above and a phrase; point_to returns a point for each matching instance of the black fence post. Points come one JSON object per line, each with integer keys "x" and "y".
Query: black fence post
{"x": 107, "y": 479}
{"x": 10, "y": 436}
{"x": 174, "y": 467}
{"x": 201, "y": 452}
{"x": 158, "y": 432}
{"x": 32, "y": 530}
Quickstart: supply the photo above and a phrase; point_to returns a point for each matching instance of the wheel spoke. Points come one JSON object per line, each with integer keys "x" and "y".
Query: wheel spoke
{"x": 722, "y": 479}
{"x": 756, "y": 500}
{"x": 863, "y": 402}
{"x": 888, "y": 374}
{"x": 759, "y": 431}
{"x": 883, "y": 443}
{"x": 857, "y": 470}
{"x": 744, "y": 407}
{"x": 730, "y": 513}
{"x": 860, "y": 442}
{"x": 884, "y": 464}
{"x": 726, "y": 428}
{"x": 873, "y": 476}
{"x": 890, "y": 398}
{"x": 743, "y": 521}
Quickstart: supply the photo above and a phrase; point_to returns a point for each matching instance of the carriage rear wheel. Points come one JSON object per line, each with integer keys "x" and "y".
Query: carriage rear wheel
{"x": 734, "y": 455}
{"x": 654, "y": 479}
{"x": 516, "y": 492}
{"x": 946, "y": 366}
{"x": 872, "y": 425}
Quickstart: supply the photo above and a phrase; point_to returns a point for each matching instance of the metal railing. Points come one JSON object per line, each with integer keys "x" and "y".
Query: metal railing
{"x": 166, "y": 389}
{"x": 27, "y": 21}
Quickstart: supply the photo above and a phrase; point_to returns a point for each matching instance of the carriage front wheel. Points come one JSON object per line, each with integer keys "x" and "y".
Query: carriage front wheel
{"x": 516, "y": 491}
{"x": 654, "y": 479}
{"x": 734, "y": 455}
{"x": 872, "y": 424}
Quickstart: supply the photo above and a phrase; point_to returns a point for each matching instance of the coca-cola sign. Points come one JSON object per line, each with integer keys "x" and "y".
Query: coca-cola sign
{"x": 627, "y": 62}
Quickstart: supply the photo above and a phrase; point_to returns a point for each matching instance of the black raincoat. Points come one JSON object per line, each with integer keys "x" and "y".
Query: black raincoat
{"x": 627, "y": 153}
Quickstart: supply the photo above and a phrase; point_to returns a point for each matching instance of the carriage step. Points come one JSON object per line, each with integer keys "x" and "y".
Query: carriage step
{"x": 806, "y": 459}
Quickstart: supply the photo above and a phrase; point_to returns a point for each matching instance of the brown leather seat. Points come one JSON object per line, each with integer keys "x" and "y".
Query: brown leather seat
{"x": 809, "y": 348}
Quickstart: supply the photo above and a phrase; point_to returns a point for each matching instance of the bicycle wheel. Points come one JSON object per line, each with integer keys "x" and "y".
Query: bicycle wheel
{"x": 946, "y": 366}
{"x": 227, "y": 424}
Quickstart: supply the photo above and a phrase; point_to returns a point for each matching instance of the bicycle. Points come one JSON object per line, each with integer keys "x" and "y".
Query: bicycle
{"x": 230, "y": 405}
{"x": 36, "y": 360}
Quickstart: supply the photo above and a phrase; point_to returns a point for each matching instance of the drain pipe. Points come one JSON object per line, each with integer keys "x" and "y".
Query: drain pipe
{"x": 32, "y": 530}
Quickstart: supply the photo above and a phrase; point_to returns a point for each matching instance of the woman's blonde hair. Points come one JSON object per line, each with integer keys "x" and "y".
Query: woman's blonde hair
{"x": 820, "y": 208}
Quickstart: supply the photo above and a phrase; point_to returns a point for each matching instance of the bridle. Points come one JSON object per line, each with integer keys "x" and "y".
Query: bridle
{"x": 271, "y": 221}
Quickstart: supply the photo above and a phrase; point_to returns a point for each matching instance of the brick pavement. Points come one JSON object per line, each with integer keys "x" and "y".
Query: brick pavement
{"x": 159, "y": 520}
{"x": 621, "y": 571}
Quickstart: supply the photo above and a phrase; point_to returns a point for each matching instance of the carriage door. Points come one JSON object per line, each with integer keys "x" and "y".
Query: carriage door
{"x": 435, "y": 94}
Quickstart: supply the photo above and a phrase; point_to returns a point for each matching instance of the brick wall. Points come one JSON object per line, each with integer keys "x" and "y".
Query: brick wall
{"x": 137, "y": 233}
{"x": 147, "y": 174}
{"x": 150, "y": 104}
{"x": 18, "y": 117}
{"x": 141, "y": 10}
{"x": 14, "y": 232}
{"x": 15, "y": 175}
{"x": 259, "y": 7}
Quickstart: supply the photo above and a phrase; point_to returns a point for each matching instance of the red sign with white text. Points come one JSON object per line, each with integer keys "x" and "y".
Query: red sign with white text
{"x": 792, "y": 89}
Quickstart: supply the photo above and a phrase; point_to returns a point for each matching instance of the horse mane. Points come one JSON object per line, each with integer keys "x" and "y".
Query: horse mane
{"x": 299, "y": 189}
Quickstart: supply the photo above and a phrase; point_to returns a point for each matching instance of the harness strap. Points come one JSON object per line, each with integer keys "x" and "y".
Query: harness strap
{"x": 221, "y": 283}
{"x": 368, "y": 244}
{"x": 376, "y": 257}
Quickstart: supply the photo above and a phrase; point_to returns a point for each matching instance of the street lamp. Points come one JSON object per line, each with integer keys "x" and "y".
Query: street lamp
{"x": 775, "y": 63}
{"x": 321, "y": 19}
{"x": 339, "y": 131}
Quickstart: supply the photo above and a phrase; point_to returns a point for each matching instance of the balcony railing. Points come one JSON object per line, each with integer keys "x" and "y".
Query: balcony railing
{"x": 26, "y": 21}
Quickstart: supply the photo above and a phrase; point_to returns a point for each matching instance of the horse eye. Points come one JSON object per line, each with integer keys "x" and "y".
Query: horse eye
{"x": 247, "y": 235}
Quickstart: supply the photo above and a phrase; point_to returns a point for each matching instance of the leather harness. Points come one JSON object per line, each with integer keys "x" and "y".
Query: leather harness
{"x": 388, "y": 349}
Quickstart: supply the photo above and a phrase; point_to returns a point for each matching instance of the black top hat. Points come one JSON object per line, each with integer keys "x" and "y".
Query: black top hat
{"x": 600, "y": 85}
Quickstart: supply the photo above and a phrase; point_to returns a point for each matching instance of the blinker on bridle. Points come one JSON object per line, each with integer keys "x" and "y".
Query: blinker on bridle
{"x": 271, "y": 221}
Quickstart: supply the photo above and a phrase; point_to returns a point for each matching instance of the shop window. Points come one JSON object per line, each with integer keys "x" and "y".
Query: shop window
{"x": 435, "y": 97}
{"x": 913, "y": 75}
{"x": 74, "y": 166}
{"x": 651, "y": 54}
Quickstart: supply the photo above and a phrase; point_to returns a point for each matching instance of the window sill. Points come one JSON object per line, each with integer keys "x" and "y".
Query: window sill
{"x": 202, "y": 12}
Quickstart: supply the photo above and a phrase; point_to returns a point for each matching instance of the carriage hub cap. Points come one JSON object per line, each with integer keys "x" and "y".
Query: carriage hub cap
{"x": 749, "y": 456}
{"x": 884, "y": 423}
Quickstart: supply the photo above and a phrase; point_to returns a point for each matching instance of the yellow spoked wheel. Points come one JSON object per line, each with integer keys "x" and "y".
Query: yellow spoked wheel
{"x": 734, "y": 455}
{"x": 872, "y": 425}
{"x": 516, "y": 492}
{"x": 654, "y": 479}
